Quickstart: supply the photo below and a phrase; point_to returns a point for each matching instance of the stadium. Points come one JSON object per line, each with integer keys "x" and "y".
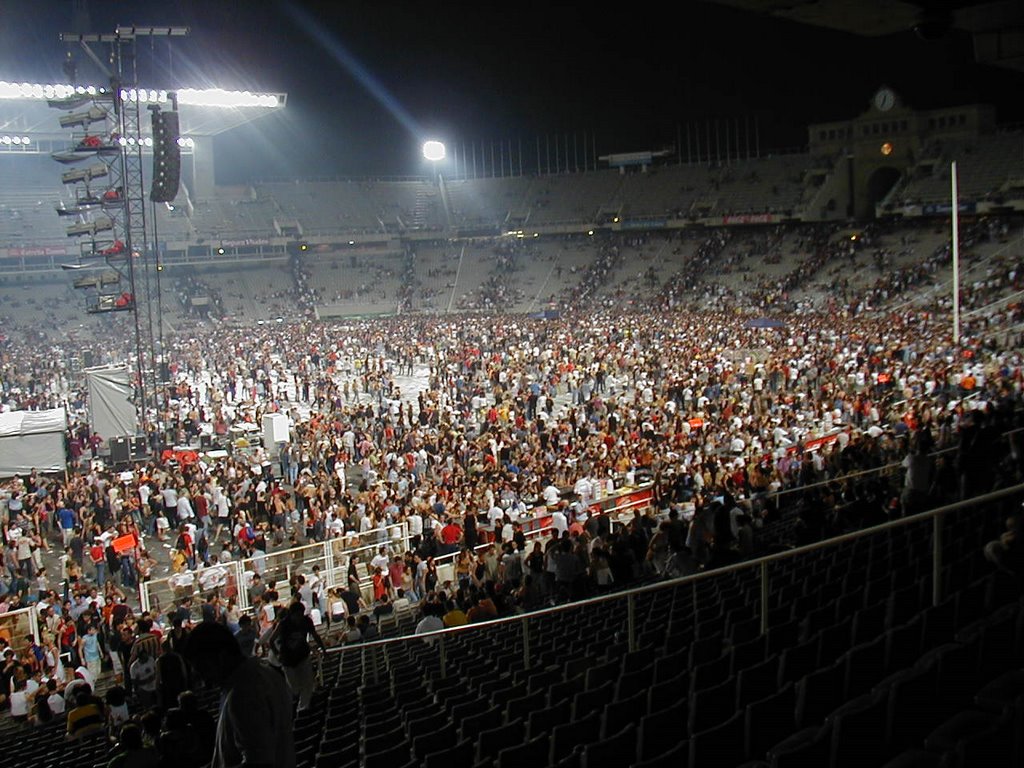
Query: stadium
{"x": 551, "y": 450}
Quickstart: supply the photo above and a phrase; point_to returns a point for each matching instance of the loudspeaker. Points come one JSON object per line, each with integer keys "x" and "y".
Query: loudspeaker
{"x": 120, "y": 450}
{"x": 139, "y": 448}
{"x": 166, "y": 157}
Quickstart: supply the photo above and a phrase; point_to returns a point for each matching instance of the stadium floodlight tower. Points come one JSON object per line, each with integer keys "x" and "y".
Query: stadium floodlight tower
{"x": 435, "y": 152}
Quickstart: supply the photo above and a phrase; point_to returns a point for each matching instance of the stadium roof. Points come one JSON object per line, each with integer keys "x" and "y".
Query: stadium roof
{"x": 996, "y": 27}
{"x": 24, "y": 107}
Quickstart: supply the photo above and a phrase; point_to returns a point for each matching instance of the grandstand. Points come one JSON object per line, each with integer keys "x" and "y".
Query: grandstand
{"x": 892, "y": 645}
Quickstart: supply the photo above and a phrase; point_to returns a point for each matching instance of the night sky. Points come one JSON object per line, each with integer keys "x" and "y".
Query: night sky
{"x": 368, "y": 81}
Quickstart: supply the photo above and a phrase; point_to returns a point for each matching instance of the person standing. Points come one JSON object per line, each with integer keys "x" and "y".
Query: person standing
{"x": 254, "y": 725}
{"x": 91, "y": 651}
{"x": 290, "y": 640}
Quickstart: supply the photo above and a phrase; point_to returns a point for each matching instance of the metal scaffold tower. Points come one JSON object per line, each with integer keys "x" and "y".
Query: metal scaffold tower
{"x": 119, "y": 248}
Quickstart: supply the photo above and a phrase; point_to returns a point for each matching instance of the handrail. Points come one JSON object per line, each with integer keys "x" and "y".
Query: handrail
{"x": 761, "y": 562}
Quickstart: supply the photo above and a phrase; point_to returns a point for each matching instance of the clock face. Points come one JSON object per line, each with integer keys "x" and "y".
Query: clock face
{"x": 885, "y": 100}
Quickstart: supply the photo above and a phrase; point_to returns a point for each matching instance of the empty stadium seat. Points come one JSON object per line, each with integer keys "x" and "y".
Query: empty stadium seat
{"x": 566, "y": 737}
{"x": 712, "y": 706}
{"x": 769, "y": 720}
{"x": 532, "y": 752}
{"x": 613, "y": 751}
{"x": 807, "y": 748}
{"x": 858, "y": 731}
{"x": 661, "y": 731}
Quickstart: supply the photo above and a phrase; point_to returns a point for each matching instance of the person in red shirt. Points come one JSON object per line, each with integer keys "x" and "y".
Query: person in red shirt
{"x": 451, "y": 536}
{"x": 99, "y": 562}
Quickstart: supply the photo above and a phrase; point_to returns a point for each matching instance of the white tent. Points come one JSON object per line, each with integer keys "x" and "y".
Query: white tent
{"x": 32, "y": 440}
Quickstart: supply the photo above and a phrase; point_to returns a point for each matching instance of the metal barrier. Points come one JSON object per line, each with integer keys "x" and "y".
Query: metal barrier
{"x": 936, "y": 516}
{"x": 15, "y": 626}
{"x": 232, "y": 579}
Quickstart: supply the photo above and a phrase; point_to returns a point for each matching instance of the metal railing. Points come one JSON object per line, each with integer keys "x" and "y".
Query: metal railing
{"x": 936, "y": 516}
{"x": 233, "y": 578}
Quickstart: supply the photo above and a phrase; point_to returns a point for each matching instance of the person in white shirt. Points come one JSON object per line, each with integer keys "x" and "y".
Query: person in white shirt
{"x": 55, "y": 700}
{"x": 380, "y": 560}
{"x": 427, "y": 624}
{"x": 551, "y": 495}
{"x": 584, "y": 488}
{"x": 184, "y": 507}
{"x": 415, "y": 522}
{"x": 495, "y": 515}
{"x": 559, "y": 522}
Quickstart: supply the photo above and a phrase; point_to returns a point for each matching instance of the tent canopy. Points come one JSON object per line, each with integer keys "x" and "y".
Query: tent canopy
{"x": 32, "y": 440}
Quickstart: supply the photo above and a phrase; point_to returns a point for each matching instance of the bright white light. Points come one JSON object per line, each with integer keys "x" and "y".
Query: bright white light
{"x": 25, "y": 140}
{"x": 16, "y": 140}
{"x": 218, "y": 97}
{"x": 190, "y": 143}
{"x": 5, "y": 139}
{"x": 148, "y": 141}
{"x": 122, "y": 141}
{"x": 198, "y": 97}
{"x": 181, "y": 142}
{"x": 433, "y": 151}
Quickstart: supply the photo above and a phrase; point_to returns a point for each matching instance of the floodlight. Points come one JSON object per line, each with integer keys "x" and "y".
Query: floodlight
{"x": 218, "y": 97}
{"x": 433, "y": 151}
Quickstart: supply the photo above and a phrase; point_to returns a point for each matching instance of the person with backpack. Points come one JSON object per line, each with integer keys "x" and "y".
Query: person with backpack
{"x": 290, "y": 641}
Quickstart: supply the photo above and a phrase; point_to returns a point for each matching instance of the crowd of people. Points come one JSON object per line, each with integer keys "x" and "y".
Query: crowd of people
{"x": 465, "y": 431}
